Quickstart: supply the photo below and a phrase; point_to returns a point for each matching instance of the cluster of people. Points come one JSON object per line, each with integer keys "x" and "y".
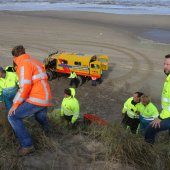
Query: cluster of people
{"x": 26, "y": 92}
{"x": 141, "y": 115}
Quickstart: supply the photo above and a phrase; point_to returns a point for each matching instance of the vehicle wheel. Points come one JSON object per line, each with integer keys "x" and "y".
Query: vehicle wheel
{"x": 50, "y": 75}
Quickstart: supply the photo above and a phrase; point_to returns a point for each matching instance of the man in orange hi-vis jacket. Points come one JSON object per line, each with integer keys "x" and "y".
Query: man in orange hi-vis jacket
{"x": 32, "y": 98}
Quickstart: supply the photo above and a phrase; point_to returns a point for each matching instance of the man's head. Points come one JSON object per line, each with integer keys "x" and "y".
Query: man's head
{"x": 18, "y": 50}
{"x": 2, "y": 72}
{"x": 67, "y": 92}
{"x": 167, "y": 65}
{"x": 136, "y": 96}
{"x": 145, "y": 100}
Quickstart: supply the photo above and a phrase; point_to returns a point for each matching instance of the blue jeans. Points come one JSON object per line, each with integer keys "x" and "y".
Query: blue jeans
{"x": 8, "y": 95}
{"x": 151, "y": 132}
{"x": 16, "y": 120}
{"x": 143, "y": 122}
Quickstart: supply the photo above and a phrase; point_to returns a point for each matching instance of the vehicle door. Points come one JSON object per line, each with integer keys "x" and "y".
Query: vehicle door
{"x": 104, "y": 62}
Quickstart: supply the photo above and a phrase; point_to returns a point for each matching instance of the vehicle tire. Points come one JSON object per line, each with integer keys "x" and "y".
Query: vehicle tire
{"x": 50, "y": 75}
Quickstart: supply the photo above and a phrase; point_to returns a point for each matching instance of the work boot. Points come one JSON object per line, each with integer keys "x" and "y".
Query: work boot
{"x": 25, "y": 151}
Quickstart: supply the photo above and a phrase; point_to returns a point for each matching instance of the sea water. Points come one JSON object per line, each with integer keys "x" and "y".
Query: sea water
{"x": 159, "y": 7}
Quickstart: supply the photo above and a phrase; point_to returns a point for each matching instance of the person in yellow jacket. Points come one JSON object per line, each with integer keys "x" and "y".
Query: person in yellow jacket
{"x": 32, "y": 98}
{"x": 74, "y": 80}
{"x": 70, "y": 108}
{"x": 131, "y": 118}
{"x": 8, "y": 86}
{"x": 148, "y": 112}
{"x": 161, "y": 123}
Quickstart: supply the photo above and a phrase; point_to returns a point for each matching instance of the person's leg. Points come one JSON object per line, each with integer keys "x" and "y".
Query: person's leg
{"x": 71, "y": 82}
{"x": 76, "y": 82}
{"x": 41, "y": 117}
{"x": 134, "y": 125}
{"x": 94, "y": 82}
{"x": 9, "y": 96}
{"x": 124, "y": 120}
{"x": 24, "y": 110}
{"x": 7, "y": 102}
{"x": 151, "y": 132}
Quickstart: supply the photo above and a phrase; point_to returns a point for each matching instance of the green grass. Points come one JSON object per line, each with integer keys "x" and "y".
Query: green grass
{"x": 119, "y": 145}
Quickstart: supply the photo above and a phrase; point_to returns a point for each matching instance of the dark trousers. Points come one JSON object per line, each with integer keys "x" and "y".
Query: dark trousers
{"x": 151, "y": 132}
{"x": 132, "y": 123}
{"x": 68, "y": 119}
{"x": 74, "y": 81}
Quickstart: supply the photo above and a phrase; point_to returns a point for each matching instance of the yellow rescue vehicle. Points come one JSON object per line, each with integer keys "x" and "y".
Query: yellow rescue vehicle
{"x": 84, "y": 65}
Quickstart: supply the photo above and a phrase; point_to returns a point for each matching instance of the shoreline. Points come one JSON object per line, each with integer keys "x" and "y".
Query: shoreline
{"x": 133, "y": 8}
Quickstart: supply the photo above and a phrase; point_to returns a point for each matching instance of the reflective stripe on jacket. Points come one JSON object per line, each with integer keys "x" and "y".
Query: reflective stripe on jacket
{"x": 10, "y": 80}
{"x": 165, "y": 113}
{"x": 34, "y": 87}
{"x": 130, "y": 108}
{"x": 148, "y": 112}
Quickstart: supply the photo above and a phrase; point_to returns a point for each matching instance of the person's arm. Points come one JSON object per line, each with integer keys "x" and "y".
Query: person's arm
{"x": 25, "y": 81}
{"x": 76, "y": 111}
{"x": 124, "y": 110}
{"x": 62, "y": 109}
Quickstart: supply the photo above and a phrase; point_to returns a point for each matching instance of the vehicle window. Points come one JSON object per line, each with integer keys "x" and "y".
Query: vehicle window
{"x": 64, "y": 62}
{"x": 94, "y": 66}
{"x": 77, "y": 63}
{"x": 103, "y": 60}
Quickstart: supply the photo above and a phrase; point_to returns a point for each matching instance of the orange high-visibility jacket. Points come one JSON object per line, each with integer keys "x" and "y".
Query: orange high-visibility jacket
{"x": 34, "y": 87}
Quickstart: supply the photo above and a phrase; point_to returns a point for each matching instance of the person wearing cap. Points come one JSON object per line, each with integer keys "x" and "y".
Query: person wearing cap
{"x": 8, "y": 86}
{"x": 70, "y": 106}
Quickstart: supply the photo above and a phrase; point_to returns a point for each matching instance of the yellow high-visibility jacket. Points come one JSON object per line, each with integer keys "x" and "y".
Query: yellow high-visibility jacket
{"x": 130, "y": 108}
{"x": 70, "y": 106}
{"x": 148, "y": 112}
{"x": 10, "y": 80}
{"x": 72, "y": 75}
{"x": 165, "y": 113}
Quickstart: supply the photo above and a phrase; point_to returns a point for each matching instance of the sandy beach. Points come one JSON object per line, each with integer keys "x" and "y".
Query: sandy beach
{"x": 135, "y": 63}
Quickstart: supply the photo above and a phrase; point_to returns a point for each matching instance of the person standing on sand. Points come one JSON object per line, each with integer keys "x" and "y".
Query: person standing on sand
{"x": 32, "y": 98}
{"x": 74, "y": 80}
{"x": 161, "y": 123}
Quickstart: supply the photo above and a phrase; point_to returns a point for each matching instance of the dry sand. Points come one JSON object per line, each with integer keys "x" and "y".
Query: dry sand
{"x": 135, "y": 64}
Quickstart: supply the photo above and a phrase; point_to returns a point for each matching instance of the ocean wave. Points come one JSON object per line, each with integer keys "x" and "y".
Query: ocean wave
{"x": 102, "y": 2}
{"x": 106, "y": 6}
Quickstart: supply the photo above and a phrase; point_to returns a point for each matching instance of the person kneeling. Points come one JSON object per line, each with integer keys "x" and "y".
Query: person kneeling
{"x": 70, "y": 107}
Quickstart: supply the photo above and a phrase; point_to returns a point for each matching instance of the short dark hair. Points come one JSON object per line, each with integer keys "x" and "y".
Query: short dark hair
{"x": 67, "y": 91}
{"x": 139, "y": 93}
{"x": 1, "y": 70}
{"x": 167, "y": 56}
{"x": 18, "y": 50}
